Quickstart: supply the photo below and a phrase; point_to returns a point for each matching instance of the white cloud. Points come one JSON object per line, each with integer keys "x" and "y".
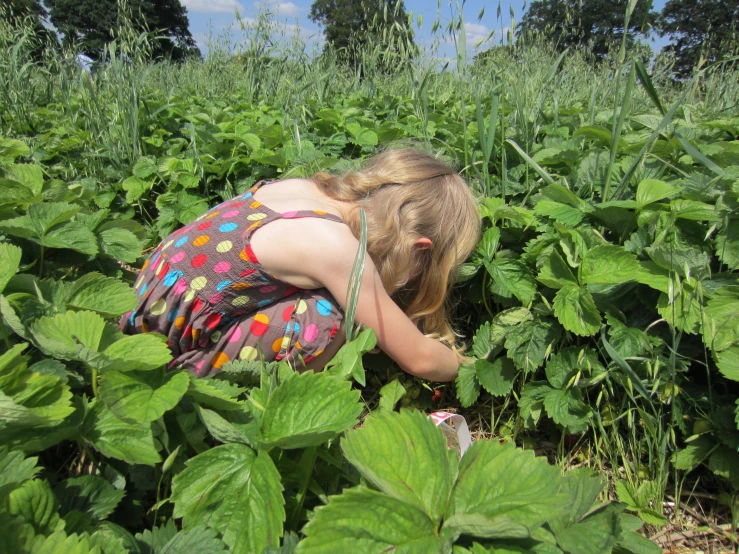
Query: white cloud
{"x": 213, "y": 6}
{"x": 281, "y": 8}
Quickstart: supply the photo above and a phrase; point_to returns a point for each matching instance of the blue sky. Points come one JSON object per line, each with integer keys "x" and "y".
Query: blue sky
{"x": 217, "y": 15}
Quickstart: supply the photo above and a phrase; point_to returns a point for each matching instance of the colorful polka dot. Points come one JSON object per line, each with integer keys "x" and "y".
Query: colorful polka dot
{"x": 197, "y": 305}
{"x": 247, "y": 254}
{"x": 132, "y": 318}
{"x": 169, "y": 243}
{"x": 265, "y": 302}
{"x": 257, "y": 216}
{"x": 212, "y": 215}
{"x": 228, "y": 227}
{"x": 180, "y": 242}
{"x": 171, "y": 316}
{"x": 230, "y": 214}
{"x": 324, "y": 307}
{"x": 222, "y": 267}
{"x": 256, "y": 204}
{"x": 260, "y": 325}
{"x": 216, "y": 298}
{"x": 235, "y": 335}
{"x": 179, "y": 322}
{"x": 247, "y": 272}
{"x": 143, "y": 290}
{"x": 248, "y": 353}
{"x": 180, "y": 287}
{"x": 302, "y": 307}
{"x": 163, "y": 270}
{"x": 288, "y": 313}
{"x": 204, "y": 226}
{"x": 199, "y": 261}
{"x": 224, "y": 246}
{"x": 311, "y": 333}
{"x": 189, "y": 295}
{"x": 172, "y": 278}
{"x": 219, "y": 359}
{"x": 222, "y": 285}
{"x": 267, "y": 289}
{"x": 199, "y": 283}
{"x": 215, "y": 337}
{"x": 177, "y": 258}
{"x": 202, "y": 240}
{"x": 240, "y": 301}
{"x": 146, "y": 264}
{"x": 213, "y": 320}
{"x": 277, "y": 345}
{"x": 241, "y": 286}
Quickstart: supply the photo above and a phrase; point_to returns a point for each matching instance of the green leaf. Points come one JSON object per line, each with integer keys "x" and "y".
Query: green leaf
{"x": 120, "y": 244}
{"x": 66, "y": 335}
{"x": 623, "y": 364}
{"x": 497, "y": 377}
{"x": 654, "y": 276}
{"x": 528, "y": 342}
{"x": 489, "y": 244}
{"x": 36, "y": 504}
{"x": 561, "y": 213}
{"x": 362, "y": 520}
{"x": 15, "y": 468}
{"x": 105, "y": 295}
{"x": 568, "y": 361}
{"x": 576, "y": 311}
{"x": 142, "y": 396}
{"x": 511, "y": 278}
{"x": 235, "y": 491}
{"x": 10, "y": 149}
{"x": 220, "y": 395}
{"x": 144, "y": 168}
{"x": 198, "y": 539}
{"x": 28, "y": 398}
{"x": 467, "y": 385}
{"x": 608, "y": 265}
{"x": 10, "y": 259}
{"x": 720, "y": 324}
{"x": 501, "y": 480}
{"x": 478, "y": 525}
{"x": 223, "y": 430}
{"x": 113, "y": 437}
{"x": 725, "y": 462}
{"x": 135, "y": 188}
{"x": 566, "y": 408}
{"x": 727, "y": 245}
{"x": 29, "y": 175}
{"x": 582, "y": 487}
{"x": 693, "y": 210}
{"x": 728, "y": 362}
{"x": 555, "y": 273}
{"x": 405, "y": 456}
{"x": 139, "y": 352}
{"x": 89, "y": 494}
{"x": 593, "y": 535}
{"x": 390, "y": 394}
{"x": 74, "y": 236}
{"x": 653, "y": 190}
{"x": 348, "y": 360}
{"x": 307, "y": 410}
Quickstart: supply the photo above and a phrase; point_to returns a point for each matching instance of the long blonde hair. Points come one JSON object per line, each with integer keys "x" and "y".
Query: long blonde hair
{"x": 408, "y": 194}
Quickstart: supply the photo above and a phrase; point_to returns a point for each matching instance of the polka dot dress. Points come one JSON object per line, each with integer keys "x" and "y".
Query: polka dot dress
{"x": 204, "y": 289}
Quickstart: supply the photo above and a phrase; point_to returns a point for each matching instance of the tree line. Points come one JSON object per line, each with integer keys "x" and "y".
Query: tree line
{"x": 699, "y": 31}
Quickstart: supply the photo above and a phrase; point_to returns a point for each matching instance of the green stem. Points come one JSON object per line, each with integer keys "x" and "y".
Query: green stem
{"x": 95, "y": 382}
{"x": 41, "y": 263}
{"x": 307, "y": 462}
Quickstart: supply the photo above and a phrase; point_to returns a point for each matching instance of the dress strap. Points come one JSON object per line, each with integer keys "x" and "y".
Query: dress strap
{"x": 298, "y": 213}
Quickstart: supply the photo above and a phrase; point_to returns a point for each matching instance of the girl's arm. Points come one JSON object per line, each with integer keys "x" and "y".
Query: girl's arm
{"x": 330, "y": 263}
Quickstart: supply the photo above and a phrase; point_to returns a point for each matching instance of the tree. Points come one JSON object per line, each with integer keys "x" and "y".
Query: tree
{"x": 699, "y": 27}
{"x": 350, "y": 25}
{"x": 594, "y": 24}
{"x": 89, "y": 23}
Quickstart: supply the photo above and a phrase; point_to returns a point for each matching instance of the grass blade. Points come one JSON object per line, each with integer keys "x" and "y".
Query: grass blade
{"x": 623, "y": 364}
{"x": 355, "y": 281}
{"x": 535, "y": 166}
{"x": 646, "y": 82}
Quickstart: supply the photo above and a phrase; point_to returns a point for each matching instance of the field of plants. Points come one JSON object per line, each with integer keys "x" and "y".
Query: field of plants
{"x": 601, "y": 308}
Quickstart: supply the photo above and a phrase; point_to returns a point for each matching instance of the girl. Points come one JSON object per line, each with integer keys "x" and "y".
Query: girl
{"x": 270, "y": 269}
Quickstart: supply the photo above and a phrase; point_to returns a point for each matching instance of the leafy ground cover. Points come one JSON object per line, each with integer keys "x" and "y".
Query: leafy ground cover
{"x": 600, "y": 308}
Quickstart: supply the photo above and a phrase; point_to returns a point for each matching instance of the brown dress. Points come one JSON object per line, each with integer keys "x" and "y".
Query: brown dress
{"x": 204, "y": 289}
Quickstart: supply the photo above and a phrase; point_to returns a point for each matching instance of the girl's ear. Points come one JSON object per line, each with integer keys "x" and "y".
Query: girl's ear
{"x": 423, "y": 243}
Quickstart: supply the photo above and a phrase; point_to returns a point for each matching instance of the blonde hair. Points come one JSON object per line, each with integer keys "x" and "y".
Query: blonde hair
{"x": 408, "y": 194}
